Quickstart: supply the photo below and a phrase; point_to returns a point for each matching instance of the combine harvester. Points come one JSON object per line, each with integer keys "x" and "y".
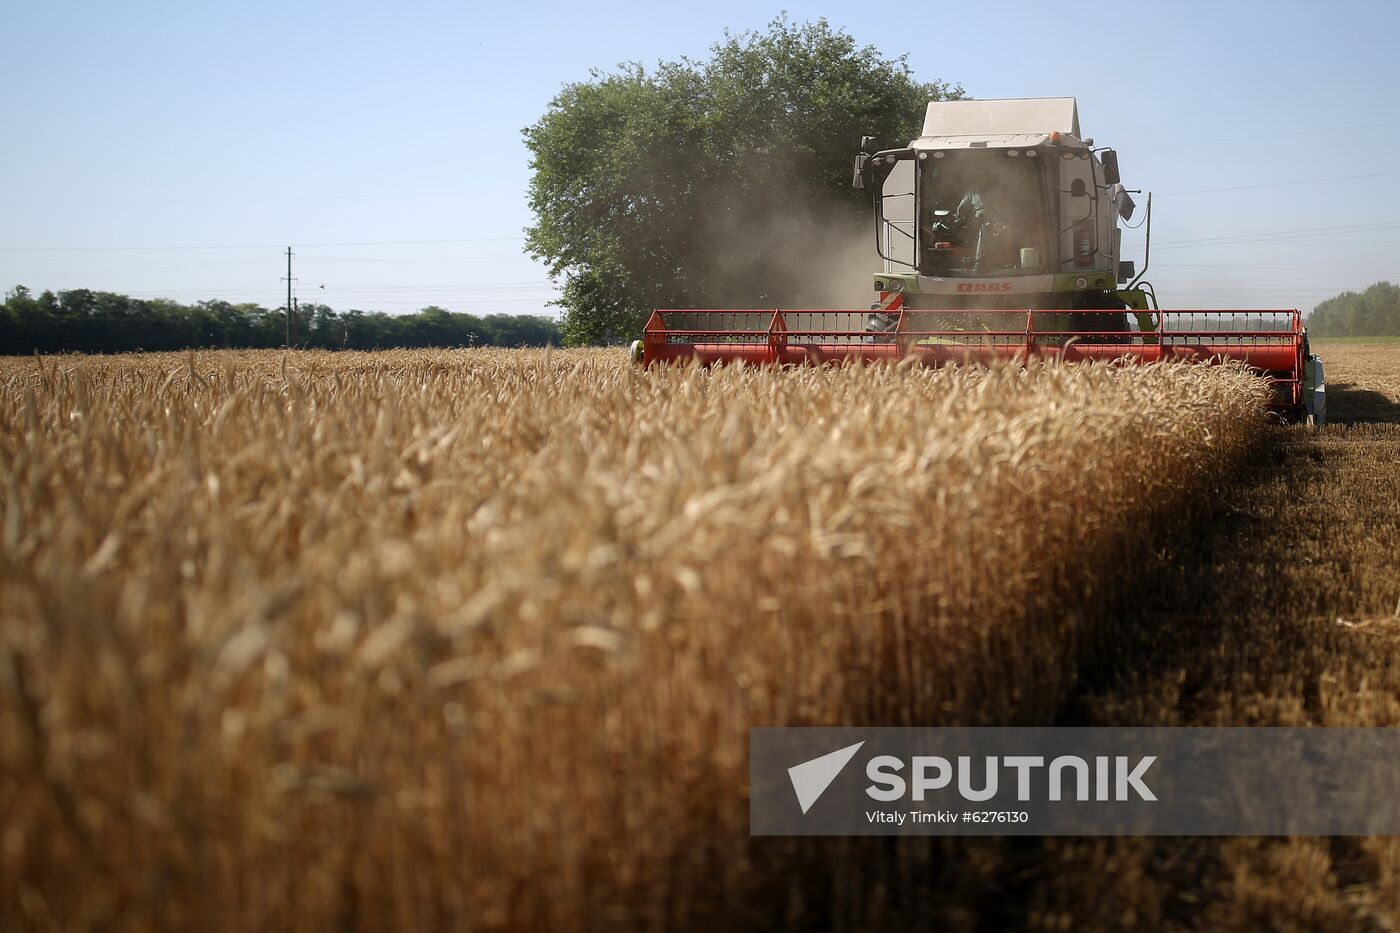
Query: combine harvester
{"x": 999, "y": 232}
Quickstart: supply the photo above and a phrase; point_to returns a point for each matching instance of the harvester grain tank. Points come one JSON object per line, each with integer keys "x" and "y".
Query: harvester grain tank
{"x": 998, "y": 231}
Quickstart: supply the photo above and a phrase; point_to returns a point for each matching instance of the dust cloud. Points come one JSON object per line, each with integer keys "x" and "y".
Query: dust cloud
{"x": 780, "y": 247}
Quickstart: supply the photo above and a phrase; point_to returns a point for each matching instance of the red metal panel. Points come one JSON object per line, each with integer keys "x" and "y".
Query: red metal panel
{"x": 1208, "y": 336}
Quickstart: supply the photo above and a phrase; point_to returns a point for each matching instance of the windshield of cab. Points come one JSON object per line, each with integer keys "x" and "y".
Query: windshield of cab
{"x": 982, "y": 213}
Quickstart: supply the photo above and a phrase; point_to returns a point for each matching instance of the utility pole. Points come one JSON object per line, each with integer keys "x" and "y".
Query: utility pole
{"x": 290, "y": 309}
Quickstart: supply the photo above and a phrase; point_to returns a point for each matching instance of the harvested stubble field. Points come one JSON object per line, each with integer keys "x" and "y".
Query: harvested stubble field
{"x": 445, "y": 639}
{"x": 1282, "y": 610}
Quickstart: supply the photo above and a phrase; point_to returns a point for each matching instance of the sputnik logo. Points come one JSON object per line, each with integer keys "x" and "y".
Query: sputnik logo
{"x": 811, "y": 778}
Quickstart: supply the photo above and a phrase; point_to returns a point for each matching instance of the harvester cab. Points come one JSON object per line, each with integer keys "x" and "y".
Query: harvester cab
{"x": 998, "y": 231}
{"x": 1000, "y": 198}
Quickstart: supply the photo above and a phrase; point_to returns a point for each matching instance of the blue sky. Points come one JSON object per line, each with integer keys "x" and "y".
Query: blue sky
{"x": 382, "y": 142}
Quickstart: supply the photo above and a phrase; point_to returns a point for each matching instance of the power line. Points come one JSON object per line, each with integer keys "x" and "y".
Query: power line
{"x": 267, "y": 198}
{"x": 108, "y": 266}
{"x": 1278, "y": 184}
{"x": 1235, "y": 139}
{"x": 514, "y": 290}
{"x": 480, "y": 286}
{"x": 115, "y": 249}
{"x": 173, "y": 262}
{"x": 488, "y": 290}
{"x": 427, "y": 261}
{"x": 1274, "y": 235}
{"x": 1281, "y": 264}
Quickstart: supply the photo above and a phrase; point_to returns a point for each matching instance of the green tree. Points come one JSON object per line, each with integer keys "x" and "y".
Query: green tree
{"x": 104, "y": 322}
{"x": 1374, "y": 312}
{"x": 720, "y": 183}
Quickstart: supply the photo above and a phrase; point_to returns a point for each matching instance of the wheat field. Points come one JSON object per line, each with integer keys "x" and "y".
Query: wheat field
{"x": 455, "y": 639}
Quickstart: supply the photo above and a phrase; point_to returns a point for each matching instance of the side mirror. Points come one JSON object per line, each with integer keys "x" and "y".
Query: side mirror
{"x": 869, "y": 145}
{"x": 1110, "y": 167}
{"x": 1126, "y": 205}
{"x": 1077, "y": 188}
{"x": 1126, "y": 271}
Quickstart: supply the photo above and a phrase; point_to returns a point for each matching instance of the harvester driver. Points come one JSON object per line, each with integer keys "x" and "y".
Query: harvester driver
{"x": 963, "y": 225}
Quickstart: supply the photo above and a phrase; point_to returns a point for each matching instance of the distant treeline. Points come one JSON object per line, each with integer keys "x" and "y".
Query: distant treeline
{"x": 103, "y": 322}
{"x": 1374, "y": 312}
